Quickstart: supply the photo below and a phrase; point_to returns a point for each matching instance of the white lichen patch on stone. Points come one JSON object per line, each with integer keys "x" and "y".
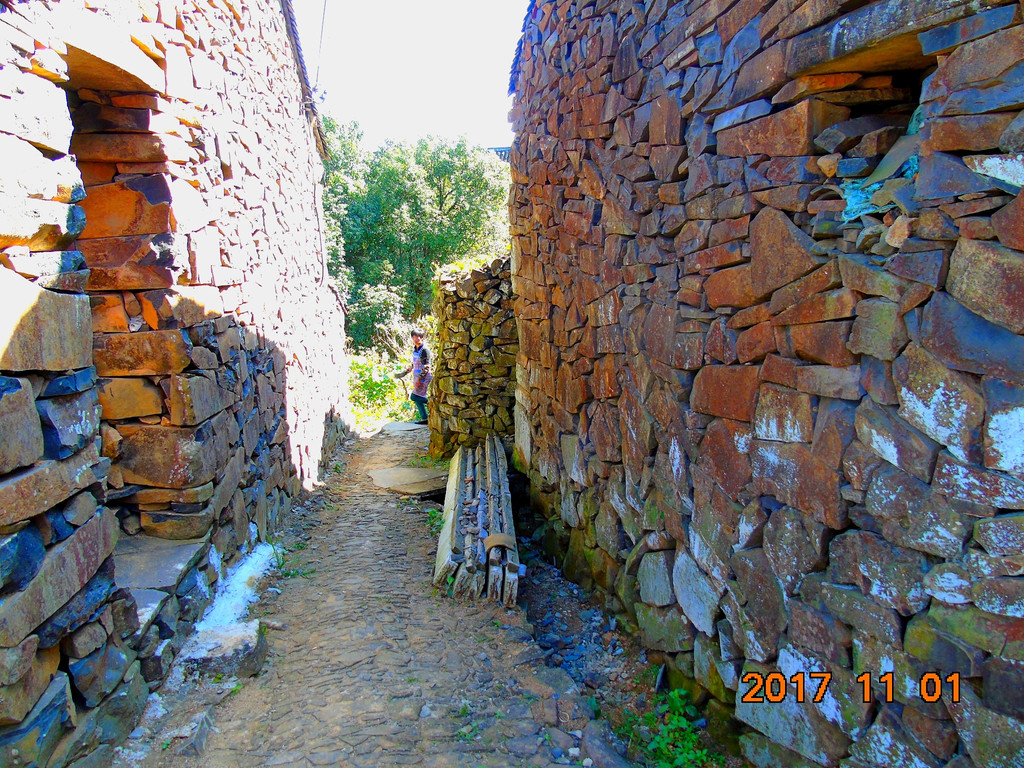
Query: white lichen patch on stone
{"x": 771, "y": 463}
{"x": 154, "y": 708}
{"x": 948, "y": 584}
{"x": 942, "y": 416}
{"x": 675, "y": 456}
{"x": 1001, "y": 535}
{"x": 1002, "y": 596}
{"x": 939, "y": 539}
{"x": 887, "y": 750}
{"x": 884, "y": 446}
{"x": 792, "y": 663}
{"x": 1008, "y": 168}
{"x": 1005, "y": 440}
{"x": 966, "y": 483}
{"x": 742, "y": 440}
{"x": 708, "y": 559}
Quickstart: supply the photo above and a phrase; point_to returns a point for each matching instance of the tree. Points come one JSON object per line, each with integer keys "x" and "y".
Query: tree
{"x": 344, "y": 175}
{"x": 405, "y": 210}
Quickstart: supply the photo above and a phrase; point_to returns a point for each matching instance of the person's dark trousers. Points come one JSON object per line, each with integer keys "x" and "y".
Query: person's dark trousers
{"x": 421, "y": 405}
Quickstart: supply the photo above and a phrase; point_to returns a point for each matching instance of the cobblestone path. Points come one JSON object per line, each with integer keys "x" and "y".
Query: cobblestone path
{"x": 369, "y": 666}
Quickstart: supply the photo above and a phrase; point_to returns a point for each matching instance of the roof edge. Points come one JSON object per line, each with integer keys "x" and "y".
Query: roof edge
{"x": 308, "y": 102}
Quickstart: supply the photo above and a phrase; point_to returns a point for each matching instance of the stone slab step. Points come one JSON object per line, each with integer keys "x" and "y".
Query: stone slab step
{"x": 144, "y": 562}
{"x": 404, "y": 426}
{"x": 410, "y": 481}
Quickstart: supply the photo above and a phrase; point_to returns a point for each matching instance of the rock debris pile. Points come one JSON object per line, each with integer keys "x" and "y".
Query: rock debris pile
{"x": 767, "y": 258}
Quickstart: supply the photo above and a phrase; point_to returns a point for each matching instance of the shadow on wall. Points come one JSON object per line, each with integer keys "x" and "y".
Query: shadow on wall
{"x": 212, "y": 465}
{"x": 159, "y": 408}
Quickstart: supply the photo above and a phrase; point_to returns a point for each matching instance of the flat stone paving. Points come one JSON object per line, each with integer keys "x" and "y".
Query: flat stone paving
{"x": 410, "y": 481}
{"x": 370, "y": 667}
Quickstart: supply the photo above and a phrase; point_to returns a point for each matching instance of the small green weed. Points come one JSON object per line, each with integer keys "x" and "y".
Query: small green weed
{"x": 647, "y": 676}
{"x": 435, "y": 521}
{"x": 303, "y": 573}
{"x": 425, "y": 460}
{"x": 280, "y": 553}
{"x": 667, "y": 734}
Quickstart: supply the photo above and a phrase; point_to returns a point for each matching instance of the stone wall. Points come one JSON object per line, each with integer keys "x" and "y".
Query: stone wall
{"x": 473, "y": 391}
{"x": 768, "y": 267}
{"x": 163, "y": 341}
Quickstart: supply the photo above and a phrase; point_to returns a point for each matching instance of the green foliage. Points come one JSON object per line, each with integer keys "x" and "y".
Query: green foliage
{"x": 376, "y": 395}
{"x": 397, "y": 214}
{"x": 675, "y": 743}
{"x": 435, "y": 521}
{"x": 669, "y": 737}
{"x": 648, "y": 676}
{"x": 344, "y": 170}
{"x": 375, "y": 315}
{"x": 427, "y": 461}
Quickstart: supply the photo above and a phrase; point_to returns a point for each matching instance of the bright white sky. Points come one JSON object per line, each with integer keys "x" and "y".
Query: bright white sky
{"x": 405, "y": 69}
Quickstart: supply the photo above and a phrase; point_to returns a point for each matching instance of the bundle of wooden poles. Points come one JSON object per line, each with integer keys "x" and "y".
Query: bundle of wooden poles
{"x": 477, "y": 554}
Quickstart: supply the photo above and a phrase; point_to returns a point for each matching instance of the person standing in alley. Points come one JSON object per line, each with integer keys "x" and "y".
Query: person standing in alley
{"x": 421, "y": 377}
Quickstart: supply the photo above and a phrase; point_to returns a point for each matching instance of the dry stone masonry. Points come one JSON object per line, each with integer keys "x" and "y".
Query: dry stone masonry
{"x": 473, "y": 391}
{"x": 768, "y": 259}
{"x": 171, "y": 357}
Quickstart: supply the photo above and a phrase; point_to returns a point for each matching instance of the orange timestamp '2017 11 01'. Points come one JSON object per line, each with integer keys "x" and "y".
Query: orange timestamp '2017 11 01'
{"x": 774, "y": 687}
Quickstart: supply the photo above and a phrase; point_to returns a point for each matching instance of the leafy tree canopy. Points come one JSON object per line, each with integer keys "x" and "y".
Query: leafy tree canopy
{"x": 397, "y": 214}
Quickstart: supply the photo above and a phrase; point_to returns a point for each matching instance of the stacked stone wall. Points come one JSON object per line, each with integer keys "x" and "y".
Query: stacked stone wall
{"x": 772, "y": 415}
{"x": 473, "y": 391}
{"x": 171, "y": 357}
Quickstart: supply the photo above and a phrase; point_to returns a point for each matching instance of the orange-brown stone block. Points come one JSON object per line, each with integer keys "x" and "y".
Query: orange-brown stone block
{"x": 138, "y": 206}
{"x": 128, "y": 148}
{"x": 108, "y": 315}
{"x": 789, "y": 133}
{"x": 129, "y": 398}
{"x": 733, "y": 287}
{"x": 987, "y": 279}
{"x": 168, "y": 457}
{"x": 42, "y": 330}
{"x": 726, "y": 390}
{"x": 795, "y": 476}
{"x": 141, "y": 354}
{"x": 143, "y": 205}
{"x": 171, "y": 525}
{"x": 780, "y": 252}
{"x": 133, "y": 263}
{"x": 194, "y": 399}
